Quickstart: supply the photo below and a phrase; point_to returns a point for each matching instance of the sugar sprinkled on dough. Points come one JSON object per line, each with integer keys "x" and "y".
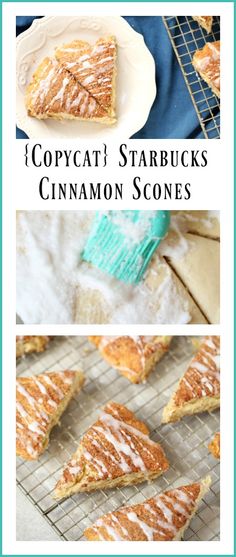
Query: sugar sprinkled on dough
{"x": 51, "y": 277}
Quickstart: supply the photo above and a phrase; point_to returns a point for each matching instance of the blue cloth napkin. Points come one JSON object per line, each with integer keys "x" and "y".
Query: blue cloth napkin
{"x": 172, "y": 115}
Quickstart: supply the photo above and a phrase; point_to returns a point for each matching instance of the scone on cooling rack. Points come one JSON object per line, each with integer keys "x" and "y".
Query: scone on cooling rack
{"x": 205, "y": 21}
{"x": 40, "y": 402}
{"x": 115, "y": 451}
{"x": 28, "y": 344}
{"x": 214, "y": 445}
{"x": 207, "y": 63}
{"x": 199, "y": 388}
{"x": 134, "y": 357}
{"x": 165, "y": 517}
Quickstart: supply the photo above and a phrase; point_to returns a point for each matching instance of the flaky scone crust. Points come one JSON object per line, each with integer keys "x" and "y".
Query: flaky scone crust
{"x": 116, "y": 450}
{"x": 40, "y": 402}
{"x": 133, "y": 357}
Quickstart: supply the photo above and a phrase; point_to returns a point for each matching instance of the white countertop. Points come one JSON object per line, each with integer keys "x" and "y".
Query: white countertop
{"x": 30, "y": 525}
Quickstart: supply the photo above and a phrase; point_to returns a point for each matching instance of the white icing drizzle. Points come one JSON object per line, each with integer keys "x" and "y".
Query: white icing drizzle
{"x": 34, "y": 425}
{"x": 147, "y": 530}
{"x": 176, "y": 502}
{"x": 125, "y": 455}
{"x": 54, "y": 386}
{"x": 204, "y": 370}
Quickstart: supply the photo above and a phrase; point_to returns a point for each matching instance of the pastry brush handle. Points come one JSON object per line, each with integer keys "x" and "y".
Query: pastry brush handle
{"x": 160, "y": 224}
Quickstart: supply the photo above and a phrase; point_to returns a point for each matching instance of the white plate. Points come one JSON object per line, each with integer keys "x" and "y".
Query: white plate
{"x": 136, "y": 87}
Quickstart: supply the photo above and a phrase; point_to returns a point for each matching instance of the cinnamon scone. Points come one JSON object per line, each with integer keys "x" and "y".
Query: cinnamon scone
{"x": 31, "y": 343}
{"x": 94, "y": 67}
{"x": 55, "y": 93}
{"x": 199, "y": 388}
{"x": 115, "y": 451}
{"x": 207, "y": 63}
{"x": 205, "y": 21}
{"x": 40, "y": 402}
{"x": 214, "y": 445}
{"x": 134, "y": 357}
{"x": 165, "y": 517}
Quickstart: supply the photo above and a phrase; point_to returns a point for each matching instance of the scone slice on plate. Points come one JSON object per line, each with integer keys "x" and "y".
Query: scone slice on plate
{"x": 54, "y": 93}
{"x": 28, "y": 344}
{"x": 165, "y": 517}
{"x": 115, "y": 451}
{"x": 214, "y": 445}
{"x": 199, "y": 388}
{"x": 207, "y": 63}
{"x": 205, "y": 21}
{"x": 94, "y": 67}
{"x": 134, "y": 357}
{"x": 40, "y": 402}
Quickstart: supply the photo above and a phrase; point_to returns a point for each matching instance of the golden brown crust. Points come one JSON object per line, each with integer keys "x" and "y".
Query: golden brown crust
{"x": 214, "y": 445}
{"x": 29, "y": 344}
{"x": 134, "y": 357}
{"x": 78, "y": 84}
{"x": 94, "y": 67}
{"x": 40, "y": 401}
{"x": 165, "y": 517}
{"x": 207, "y": 63}
{"x": 199, "y": 388}
{"x": 116, "y": 450}
{"x": 55, "y": 93}
{"x": 205, "y": 21}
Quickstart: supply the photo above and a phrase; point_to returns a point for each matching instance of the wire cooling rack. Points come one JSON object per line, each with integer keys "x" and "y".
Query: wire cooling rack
{"x": 185, "y": 443}
{"x": 186, "y": 37}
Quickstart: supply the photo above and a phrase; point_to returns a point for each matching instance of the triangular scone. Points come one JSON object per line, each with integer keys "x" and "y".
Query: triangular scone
{"x": 94, "y": 67}
{"x": 31, "y": 343}
{"x": 40, "y": 402}
{"x": 115, "y": 451}
{"x": 214, "y": 445}
{"x": 199, "y": 388}
{"x": 165, "y": 517}
{"x": 54, "y": 93}
{"x": 205, "y": 21}
{"x": 134, "y": 357}
{"x": 207, "y": 63}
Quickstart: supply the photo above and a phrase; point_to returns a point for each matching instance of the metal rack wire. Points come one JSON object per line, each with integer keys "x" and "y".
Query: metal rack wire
{"x": 185, "y": 443}
{"x": 186, "y": 37}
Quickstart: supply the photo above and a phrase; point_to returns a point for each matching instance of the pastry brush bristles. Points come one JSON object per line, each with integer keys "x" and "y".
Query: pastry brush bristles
{"x": 112, "y": 250}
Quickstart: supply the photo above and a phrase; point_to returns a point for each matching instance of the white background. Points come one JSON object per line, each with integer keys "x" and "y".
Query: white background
{"x": 213, "y": 189}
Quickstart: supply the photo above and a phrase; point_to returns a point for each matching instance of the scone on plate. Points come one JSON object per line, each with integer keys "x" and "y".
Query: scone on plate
{"x": 94, "y": 68}
{"x": 207, "y": 63}
{"x": 40, "y": 402}
{"x": 115, "y": 451}
{"x": 199, "y": 388}
{"x": 54, "y": 93}
{"x": 77, "y": 84}
{"x": 214, "y": 445}
{"x": 165, "y": 517}
{"x": 205, "y": 21}
{"x": 28, "y": 344}
{"x": 133, "y": 356}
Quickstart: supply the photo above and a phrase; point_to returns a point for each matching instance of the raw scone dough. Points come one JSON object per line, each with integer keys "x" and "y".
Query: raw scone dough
{"x": 55, "y": 286}
{"x": 199, "y": 270}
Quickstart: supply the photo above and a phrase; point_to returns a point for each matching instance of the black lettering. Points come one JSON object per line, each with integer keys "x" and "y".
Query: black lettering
{"x": 41, "y": 184}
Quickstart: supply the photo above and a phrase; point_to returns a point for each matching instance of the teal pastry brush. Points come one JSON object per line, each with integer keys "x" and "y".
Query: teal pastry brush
{"x": 121, "y": 243}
